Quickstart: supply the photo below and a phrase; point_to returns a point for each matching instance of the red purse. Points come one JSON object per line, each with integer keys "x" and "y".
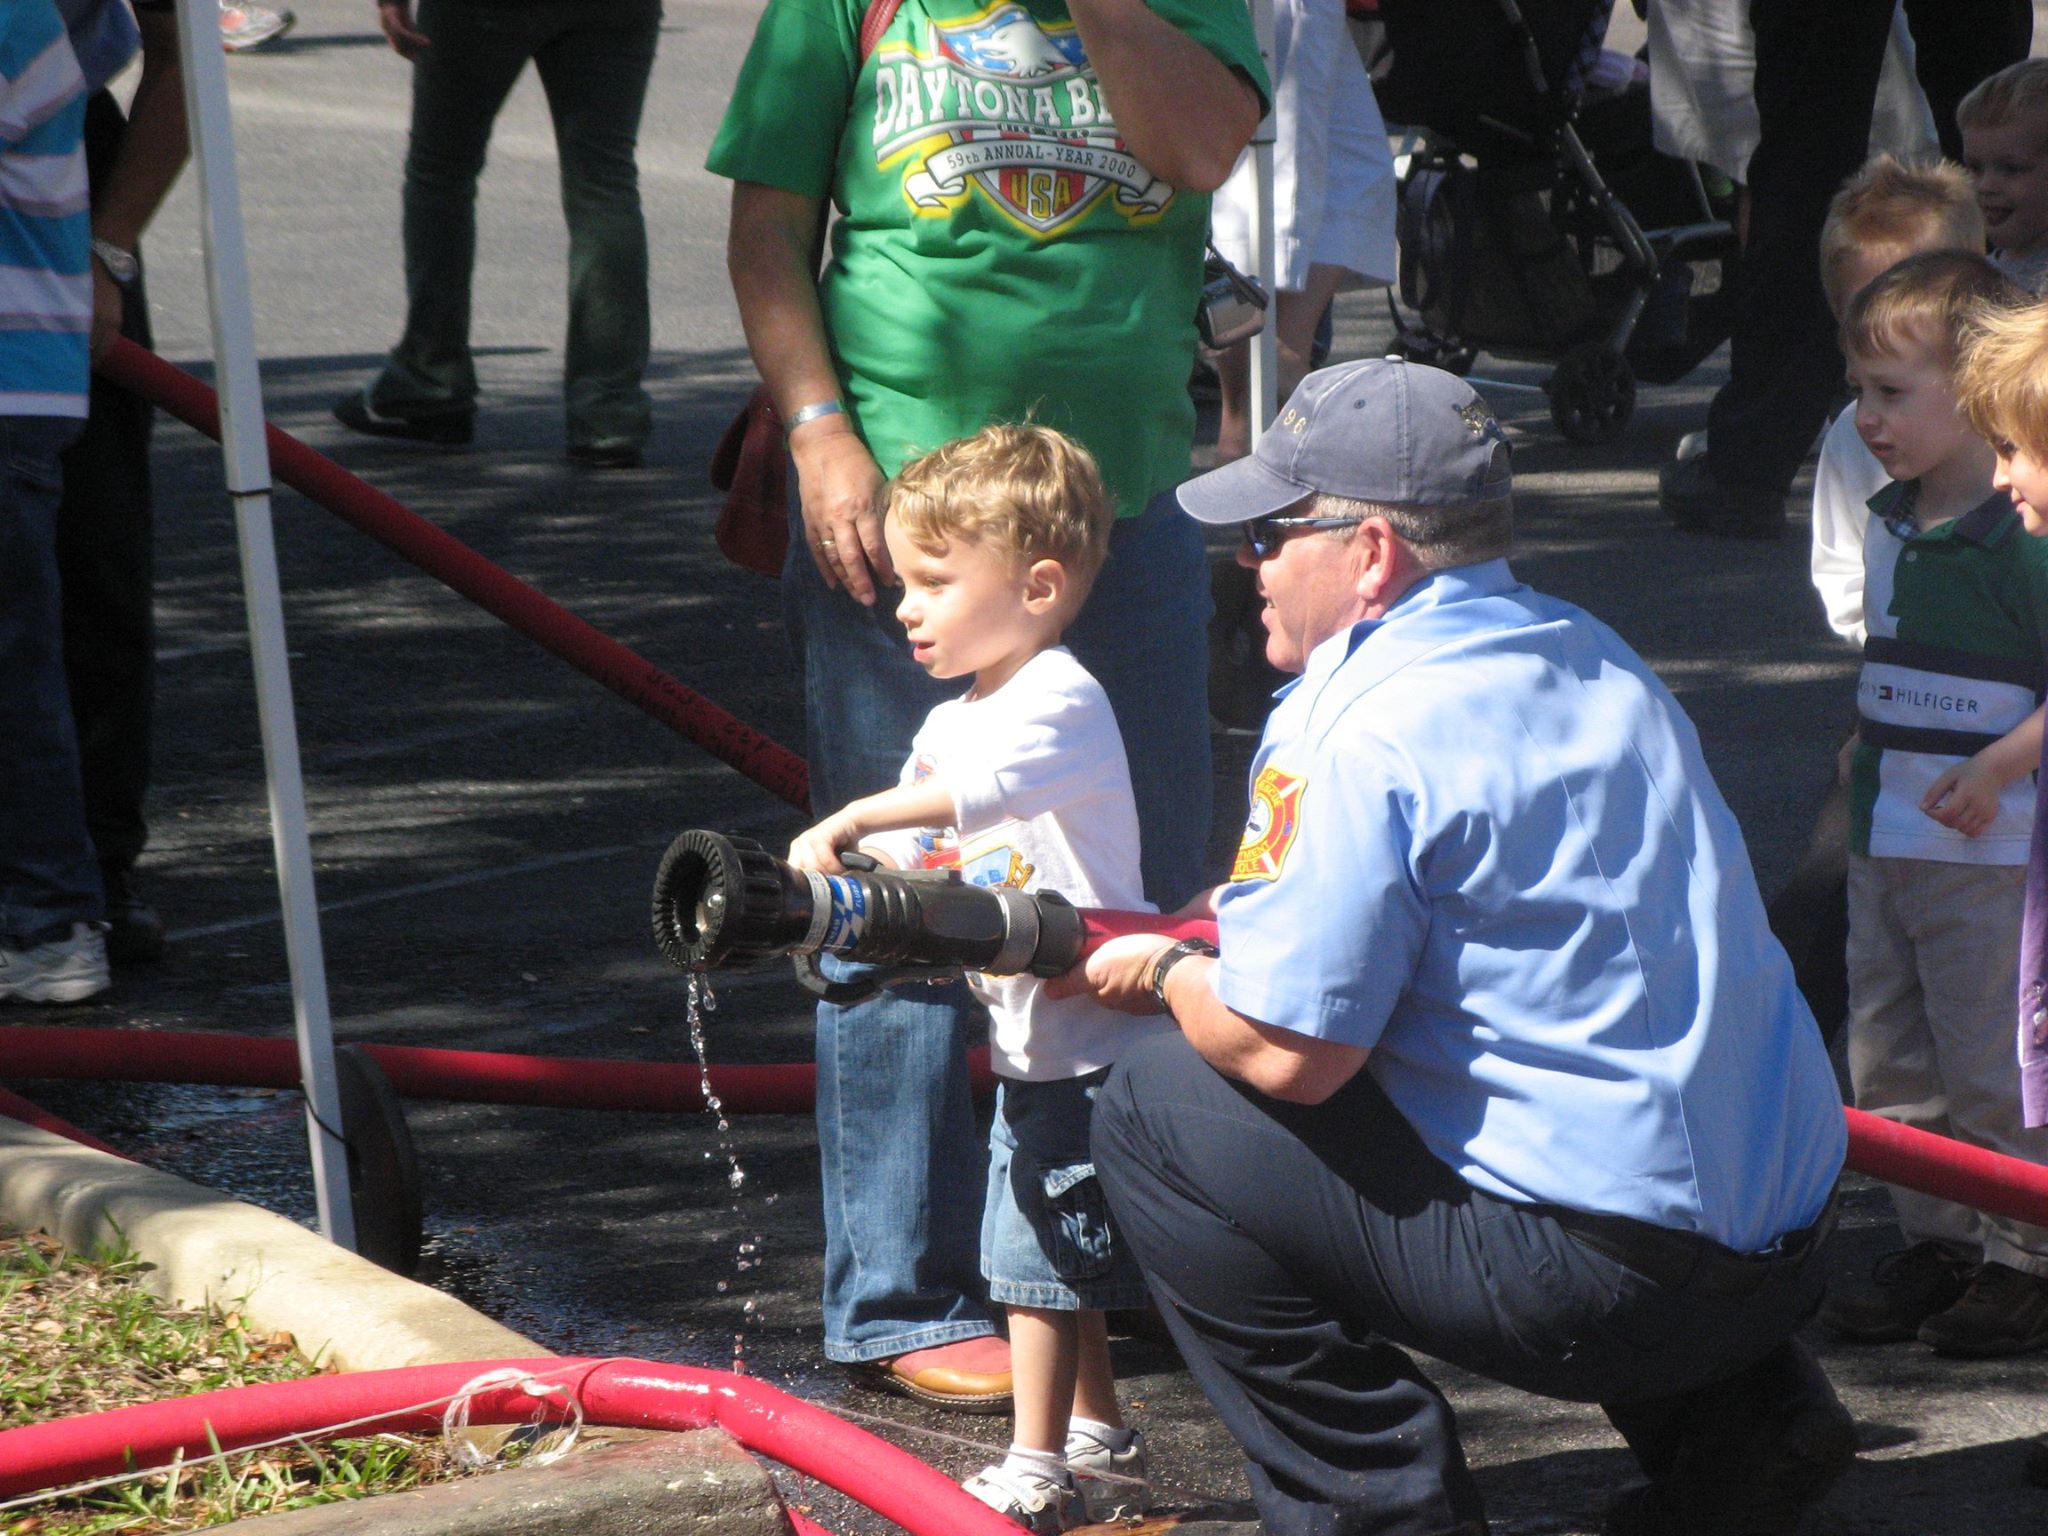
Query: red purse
{"x": 751, "y": 466}
{"x": 750, "y": 463}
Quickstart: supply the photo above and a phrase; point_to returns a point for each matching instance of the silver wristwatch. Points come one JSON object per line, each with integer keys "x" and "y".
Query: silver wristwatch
{"x": 122, "y": 266}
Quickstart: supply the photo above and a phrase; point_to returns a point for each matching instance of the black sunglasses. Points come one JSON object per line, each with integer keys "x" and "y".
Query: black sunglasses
{"x": 1265, "y": 534}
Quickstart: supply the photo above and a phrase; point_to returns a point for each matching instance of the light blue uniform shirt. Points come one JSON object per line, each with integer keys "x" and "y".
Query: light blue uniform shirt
{"x": 1484, "y": 843}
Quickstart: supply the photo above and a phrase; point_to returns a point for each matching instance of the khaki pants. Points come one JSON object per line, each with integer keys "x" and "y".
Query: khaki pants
{"x": 1933, "y": 983}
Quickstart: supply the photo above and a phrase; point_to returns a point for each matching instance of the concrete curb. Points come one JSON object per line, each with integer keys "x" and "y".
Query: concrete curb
{"x": 209, "y": 1249}
{"x": 206, "y": 1248}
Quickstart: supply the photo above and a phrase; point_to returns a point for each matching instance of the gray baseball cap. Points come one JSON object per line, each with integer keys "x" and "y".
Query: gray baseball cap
{"x": 1383, "y": 430}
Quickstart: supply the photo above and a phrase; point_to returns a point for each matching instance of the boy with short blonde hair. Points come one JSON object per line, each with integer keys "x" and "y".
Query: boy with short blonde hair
{"x": 2003, "y": 387}
{"x": 1956, "y": 615}
{"x": 2004, "y": 127}
{"x": 1026, "y": 490}
{"x": 2004, "y": 384}
{"x": 1887, "y": 211}
{"x": 1023, "y": 782}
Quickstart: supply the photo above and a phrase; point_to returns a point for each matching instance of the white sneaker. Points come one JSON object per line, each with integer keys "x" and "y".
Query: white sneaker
{"x": 243, "y": 27}
{"x": 1121, "y": 1494}
{"x": 1042, "y": 1505}
{"x": 59, "y": 971}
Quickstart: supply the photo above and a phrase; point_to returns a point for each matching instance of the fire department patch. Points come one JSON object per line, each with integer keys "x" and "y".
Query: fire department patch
{"x": 1269, "y": 830}
{"x": 999, "y": 103}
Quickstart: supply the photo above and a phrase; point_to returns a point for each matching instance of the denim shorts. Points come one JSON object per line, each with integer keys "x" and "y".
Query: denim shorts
{"x": 1046, "y": 1236}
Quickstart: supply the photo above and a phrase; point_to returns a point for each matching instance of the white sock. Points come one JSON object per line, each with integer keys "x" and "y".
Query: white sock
{"x": 1041, "y": 1464}
{"x": 1115, "y": 1439}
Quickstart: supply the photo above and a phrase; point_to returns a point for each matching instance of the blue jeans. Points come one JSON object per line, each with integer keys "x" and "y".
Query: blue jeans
{"x": 49, "y": 878}
{"x": 902, "y": 1167}
{"x": 593, "y": 62}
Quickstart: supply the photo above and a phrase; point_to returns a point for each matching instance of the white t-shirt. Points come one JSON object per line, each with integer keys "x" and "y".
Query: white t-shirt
{"x": 1848, "y": 476}
{"x": 1041, "y": 801}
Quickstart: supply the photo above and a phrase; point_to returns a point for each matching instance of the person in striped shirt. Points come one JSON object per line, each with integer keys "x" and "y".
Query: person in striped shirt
{"x": 51, "y": 902}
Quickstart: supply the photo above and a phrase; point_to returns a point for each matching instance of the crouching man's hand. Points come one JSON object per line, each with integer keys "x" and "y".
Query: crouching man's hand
{"x": 1118, "y": 975}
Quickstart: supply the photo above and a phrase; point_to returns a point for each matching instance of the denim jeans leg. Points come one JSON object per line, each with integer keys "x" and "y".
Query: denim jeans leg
{"x": 901, "y": 1164}
{"x": 595, "y": 73}
{"x": 49, "y": 878}
{"x": 1144, "y": 634}
{"x": 106, "y": 557}
{"x": 458, "y": 85}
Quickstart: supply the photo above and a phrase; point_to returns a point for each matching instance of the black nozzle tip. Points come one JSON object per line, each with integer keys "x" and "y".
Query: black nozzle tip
{"x": 694, "y": 893}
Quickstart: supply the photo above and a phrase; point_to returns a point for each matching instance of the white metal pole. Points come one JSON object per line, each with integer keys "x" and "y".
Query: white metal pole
{"x": 1265, "y": 360}
{"x": 247, "y": 462}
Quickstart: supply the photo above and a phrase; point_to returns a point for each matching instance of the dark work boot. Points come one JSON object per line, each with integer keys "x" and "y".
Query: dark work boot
{"x": 1906, "y": 1288}
{"x": 2004, "y": 1312}
{"x": 1755, "y": 1458}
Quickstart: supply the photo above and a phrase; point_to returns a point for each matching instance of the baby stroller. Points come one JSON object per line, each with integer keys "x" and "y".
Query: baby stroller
{"x": 1512, "y": 241}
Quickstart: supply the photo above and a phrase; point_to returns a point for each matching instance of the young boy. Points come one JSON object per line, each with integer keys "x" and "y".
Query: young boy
{"x": 2004, "y": 126}
{"x": 1022, "y": 781}
{"x": 2004, "y": 388}
{"x": 1887, "y": 211}
{"x": 1956, "y": 618}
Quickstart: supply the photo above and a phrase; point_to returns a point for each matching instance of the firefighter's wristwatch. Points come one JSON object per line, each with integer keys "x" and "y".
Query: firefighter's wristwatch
{"x": 1169, "y": 958}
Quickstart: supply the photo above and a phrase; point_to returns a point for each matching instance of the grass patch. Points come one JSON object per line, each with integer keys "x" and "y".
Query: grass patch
{"x": 81, "y": 1335}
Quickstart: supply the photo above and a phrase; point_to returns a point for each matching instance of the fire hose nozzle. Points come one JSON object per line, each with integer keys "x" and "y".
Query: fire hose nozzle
{"x": 726, "y": 901}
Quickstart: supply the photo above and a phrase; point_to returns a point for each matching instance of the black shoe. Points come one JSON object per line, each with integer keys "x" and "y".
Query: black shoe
{"x": 1906, "y": 1289}
{"x": 615, "y": 455}
{"x": 1758, "y": 1455}
{"x": 449, "y": 428}
{"x": 135, "y": 934}
{"x": 2004, "y": 1312}
{"x": 2034, "y": 1467}
{"x": 1698, "y": 503}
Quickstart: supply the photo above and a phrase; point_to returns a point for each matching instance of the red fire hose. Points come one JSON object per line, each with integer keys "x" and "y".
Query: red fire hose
{"x": 416, "y": 1072}
{"x": 493, "y": 588}
{"x": 15, "y": 1107}
{"x": 1897, "y": 1154}
{"x": 638, "y": 1394}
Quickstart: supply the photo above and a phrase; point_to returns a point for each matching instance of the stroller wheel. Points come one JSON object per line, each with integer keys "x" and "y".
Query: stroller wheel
{"x": 1592, "y": 393}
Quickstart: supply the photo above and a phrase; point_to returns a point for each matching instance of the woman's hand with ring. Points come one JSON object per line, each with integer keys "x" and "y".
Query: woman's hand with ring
{"x": 841, "y": 485}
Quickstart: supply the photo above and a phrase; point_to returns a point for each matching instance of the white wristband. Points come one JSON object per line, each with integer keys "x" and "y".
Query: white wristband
{"x": 811, "y": 413}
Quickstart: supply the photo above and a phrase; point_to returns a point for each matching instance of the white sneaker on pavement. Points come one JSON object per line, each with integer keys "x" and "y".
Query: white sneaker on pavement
{"x": 1111, "y": 1482}
{"x": 57, "y": 971}
{"x": 1040, "y": 1504}
{"x": 243, "y": 27}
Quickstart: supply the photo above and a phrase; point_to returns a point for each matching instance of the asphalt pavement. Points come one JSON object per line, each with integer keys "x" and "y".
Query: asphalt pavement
{"x": 485, "y": 822}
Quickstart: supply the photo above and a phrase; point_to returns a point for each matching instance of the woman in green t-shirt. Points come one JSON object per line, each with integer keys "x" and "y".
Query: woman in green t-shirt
{"x": 1022, "y": 190}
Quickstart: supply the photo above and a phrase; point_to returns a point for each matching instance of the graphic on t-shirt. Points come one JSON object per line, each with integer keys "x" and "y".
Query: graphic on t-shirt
{"x": 1269, "y": 830}
{"x": 984, "y": 864}
{"x": 998, "y": 102}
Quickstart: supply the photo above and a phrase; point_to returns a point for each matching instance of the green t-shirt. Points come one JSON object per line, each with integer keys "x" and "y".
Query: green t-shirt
{"x": 999, "y": 253}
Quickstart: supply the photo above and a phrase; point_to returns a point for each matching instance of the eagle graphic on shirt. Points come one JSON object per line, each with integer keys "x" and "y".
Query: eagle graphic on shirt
{"x": 997, "y": 103}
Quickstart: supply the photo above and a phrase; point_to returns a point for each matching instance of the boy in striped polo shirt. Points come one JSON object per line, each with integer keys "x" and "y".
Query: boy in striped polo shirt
{"x": 51, "y": 947}
{"x": 1955, "y": 613}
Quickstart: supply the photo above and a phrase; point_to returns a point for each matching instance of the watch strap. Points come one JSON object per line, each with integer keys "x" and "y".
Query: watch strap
{"x": 1171, "y": 957}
